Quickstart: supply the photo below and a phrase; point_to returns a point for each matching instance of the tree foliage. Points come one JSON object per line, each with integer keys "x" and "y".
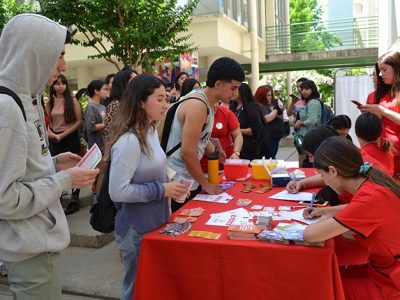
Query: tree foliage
{"x": 133, "y": 32}
{"x": 278, "y": 81}
{"x": 307, "y": 33}
{"x": 10, "y": 8}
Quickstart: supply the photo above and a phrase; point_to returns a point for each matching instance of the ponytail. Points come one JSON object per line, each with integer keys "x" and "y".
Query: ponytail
{"x": 384, "y": 145}
{"x": 384, "y": 180}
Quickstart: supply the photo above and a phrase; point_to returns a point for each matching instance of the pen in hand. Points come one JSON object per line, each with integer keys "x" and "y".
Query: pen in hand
{"x": 310, "y": 208}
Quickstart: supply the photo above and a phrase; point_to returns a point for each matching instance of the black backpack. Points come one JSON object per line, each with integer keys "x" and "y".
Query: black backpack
{"x": 164, "y": 126}
{"x": 103, "y": 211}
{"x": 7, "y": 91}
{"x": 326, "y": 113}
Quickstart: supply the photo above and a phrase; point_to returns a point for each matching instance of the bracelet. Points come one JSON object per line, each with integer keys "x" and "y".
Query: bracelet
{"x": 237, "y": 153}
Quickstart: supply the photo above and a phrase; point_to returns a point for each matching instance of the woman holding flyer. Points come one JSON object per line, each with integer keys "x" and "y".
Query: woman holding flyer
{"x": 371, "y": 217}
{"x": 138, "y": 180}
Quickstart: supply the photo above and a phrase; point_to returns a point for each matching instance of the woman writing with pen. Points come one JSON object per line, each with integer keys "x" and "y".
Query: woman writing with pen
{"x": 371, "y": 217}
{"x": 348, "y": 252}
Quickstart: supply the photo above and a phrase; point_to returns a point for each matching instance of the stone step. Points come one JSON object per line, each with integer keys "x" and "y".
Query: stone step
{"x": 85, "y": 197}
{"x": 288, "y": 154}
{"x": 88, "y": 273}
{"x": 82, "y": 234}
{"x": 92, "y": 272}
{"x": 286, "y": 141}
{"x": 63, "y": 297}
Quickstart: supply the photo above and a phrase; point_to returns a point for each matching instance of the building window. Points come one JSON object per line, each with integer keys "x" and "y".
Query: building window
{"x": 245, "y": 14}
{"x": 259, "y": 18}
{"x": 280, "y": 23}
{"x": 229, "y": 8}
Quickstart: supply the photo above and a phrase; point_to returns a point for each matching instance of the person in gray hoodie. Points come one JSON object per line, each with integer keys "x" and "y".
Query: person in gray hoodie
{"x": 33, "y": 227}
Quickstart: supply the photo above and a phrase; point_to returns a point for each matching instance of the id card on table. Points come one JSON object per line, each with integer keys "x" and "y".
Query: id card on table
{"x": 91, "y": 159}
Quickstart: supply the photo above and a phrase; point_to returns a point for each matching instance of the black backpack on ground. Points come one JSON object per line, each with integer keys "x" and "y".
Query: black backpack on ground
{"x": 7, "y": 91}
{"x": 103, "y": 212}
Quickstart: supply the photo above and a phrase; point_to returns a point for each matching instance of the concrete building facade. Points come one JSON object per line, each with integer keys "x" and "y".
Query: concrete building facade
{"x": 234, "y": 28}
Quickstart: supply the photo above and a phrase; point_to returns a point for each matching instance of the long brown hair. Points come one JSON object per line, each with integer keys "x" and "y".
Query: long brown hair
{"x": 341, "y": 153}
{"x": 69, "y": 109}
{"x": 131, "y": 116}
{"x": 392, "y": 59}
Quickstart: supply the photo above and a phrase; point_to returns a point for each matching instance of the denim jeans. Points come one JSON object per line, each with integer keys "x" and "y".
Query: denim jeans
{"x": 129, "y": 246}
{"x": 273, "y": 146}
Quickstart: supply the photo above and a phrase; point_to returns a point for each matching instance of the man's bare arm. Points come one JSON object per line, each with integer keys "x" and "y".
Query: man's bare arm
{"x": 192, "y": 116}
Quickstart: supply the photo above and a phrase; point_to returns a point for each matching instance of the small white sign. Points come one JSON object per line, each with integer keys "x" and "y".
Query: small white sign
{"x": 91, "y": 158}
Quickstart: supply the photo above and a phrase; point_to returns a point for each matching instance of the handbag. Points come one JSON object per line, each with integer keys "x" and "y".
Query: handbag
{"x": 298, "y": 142}
{"x": 287, "y": 128}
{"x": 103, "y": 212}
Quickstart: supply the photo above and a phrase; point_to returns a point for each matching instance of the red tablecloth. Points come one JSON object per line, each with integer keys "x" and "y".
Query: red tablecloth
{"x": 194, "y": 268}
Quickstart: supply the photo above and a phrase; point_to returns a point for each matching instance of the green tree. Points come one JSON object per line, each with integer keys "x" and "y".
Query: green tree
{"x": 10, "y": 8}
{"x": 134, "y": 32}
{"x": 307, "y": 33}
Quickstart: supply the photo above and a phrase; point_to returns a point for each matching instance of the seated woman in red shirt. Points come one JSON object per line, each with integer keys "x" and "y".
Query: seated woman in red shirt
{"x": 371, "y": 217}
{"x": 373, "y": 148}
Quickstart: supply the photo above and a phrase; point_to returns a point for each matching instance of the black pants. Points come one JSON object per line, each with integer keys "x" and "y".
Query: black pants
{"x": 70, "y": 143}
{"x": 175, "y": 205}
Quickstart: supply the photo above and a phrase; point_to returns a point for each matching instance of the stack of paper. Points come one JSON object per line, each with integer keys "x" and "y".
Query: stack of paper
{"x": 298, "y": 216}
{"x": 285, "y": 233}
{"x": 264, "y": 222}
{"x": 285, "y": 195}
{"x": 221, "y": 198}
{"x": 243, "y": 232}
{"x": 239, "y": 216}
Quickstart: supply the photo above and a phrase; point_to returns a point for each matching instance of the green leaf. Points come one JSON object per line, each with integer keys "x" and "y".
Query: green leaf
{"x": 140, "y": 32}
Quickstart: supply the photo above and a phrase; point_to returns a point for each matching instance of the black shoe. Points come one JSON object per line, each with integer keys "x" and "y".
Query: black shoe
{"x": 72, "y": 207}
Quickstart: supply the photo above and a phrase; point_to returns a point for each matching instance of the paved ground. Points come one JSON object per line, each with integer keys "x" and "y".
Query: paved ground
{"x": 64, "y": 297}
{"x": 96, "y": 273}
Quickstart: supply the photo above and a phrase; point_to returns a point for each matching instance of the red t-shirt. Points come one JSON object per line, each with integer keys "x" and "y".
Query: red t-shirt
{"x": 371, "y": 98}
{"x": 373, "y": 216}
{"x": 345, "y": 198}
{"x": 391, "y": 130}
{"x": 381, "y": 160}
{"x": 225, "y": 122}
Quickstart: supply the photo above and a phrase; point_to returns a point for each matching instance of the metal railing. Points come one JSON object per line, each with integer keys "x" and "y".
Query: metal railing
{"x": 339, "y": 34}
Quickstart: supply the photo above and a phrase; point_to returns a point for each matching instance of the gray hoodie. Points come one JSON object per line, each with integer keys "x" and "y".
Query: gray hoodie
{"x": 32, "y": 220}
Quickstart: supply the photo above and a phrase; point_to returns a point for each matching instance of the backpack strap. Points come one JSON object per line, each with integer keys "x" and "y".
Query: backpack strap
{"x": 168, "y": 123}
{"x": 7, "y": 91}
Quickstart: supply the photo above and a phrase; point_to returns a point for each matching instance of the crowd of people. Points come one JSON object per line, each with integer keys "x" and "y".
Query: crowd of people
{"x": 39, "y": 158}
